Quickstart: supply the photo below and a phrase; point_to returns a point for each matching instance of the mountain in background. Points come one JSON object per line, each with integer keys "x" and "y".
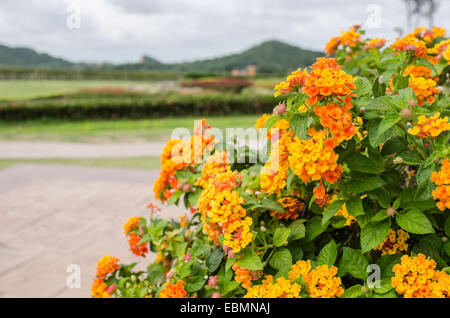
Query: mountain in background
{"x": 268, "y": 57}
{"x": 24, "y": 57}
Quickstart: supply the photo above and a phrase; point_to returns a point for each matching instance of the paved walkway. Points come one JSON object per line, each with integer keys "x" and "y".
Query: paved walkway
{"x": 53, "y": 216}
{"x": 53, "y": 150}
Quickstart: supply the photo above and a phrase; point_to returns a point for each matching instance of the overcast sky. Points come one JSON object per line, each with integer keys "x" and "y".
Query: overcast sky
{"x": 183, "y": 30}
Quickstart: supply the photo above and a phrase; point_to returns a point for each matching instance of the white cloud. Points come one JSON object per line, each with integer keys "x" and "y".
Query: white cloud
{"x": 176, "y": 30}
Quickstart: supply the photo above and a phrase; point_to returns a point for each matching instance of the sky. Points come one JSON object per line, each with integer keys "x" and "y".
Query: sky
{"x": 120, "y": 31}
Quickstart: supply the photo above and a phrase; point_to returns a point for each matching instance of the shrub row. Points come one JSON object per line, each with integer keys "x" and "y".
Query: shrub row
{"x": 136, "y": 106}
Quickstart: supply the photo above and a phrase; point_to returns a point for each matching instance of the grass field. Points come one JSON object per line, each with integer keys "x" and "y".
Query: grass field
{"x": 129, "y": 163}
{"x": 120, "y": 130}
{"x": 24, "y": 89}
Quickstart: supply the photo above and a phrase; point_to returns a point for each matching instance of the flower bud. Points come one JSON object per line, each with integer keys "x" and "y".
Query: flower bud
{"x": 186, "y": 187}
{"x": 263, "y": 229}
{"x": 391, "y": 211}
{"x": 381, "y": 79}
{"x": 398, "y": 160}
{"x": 279, "y": 110}
{"x": 133, "y": 278}
{"x": 362, "y": 110}
{"x": 406, "y": 113}
{"x": 170, "y": 274}
{"x": 111, "y": 289}
{"x": 215, "y": 295}
{"x": 445, "y": 239}
{"x": 187, "y": 257}
{"x": 412, "y": 103}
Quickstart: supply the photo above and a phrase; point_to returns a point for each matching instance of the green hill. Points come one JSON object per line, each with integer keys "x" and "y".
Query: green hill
{"x": 268, "y": 57}
{"x": 24, "y": 57}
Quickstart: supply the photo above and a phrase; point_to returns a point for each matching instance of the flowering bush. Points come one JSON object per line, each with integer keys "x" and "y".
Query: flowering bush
{"x": 356, "y": 186}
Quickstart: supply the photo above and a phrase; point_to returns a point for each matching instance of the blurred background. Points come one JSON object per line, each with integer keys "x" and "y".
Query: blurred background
{"x": 90, "y": 90}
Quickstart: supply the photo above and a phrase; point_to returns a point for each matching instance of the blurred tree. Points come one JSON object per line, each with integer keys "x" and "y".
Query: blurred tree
{"x": 416, "y": 9}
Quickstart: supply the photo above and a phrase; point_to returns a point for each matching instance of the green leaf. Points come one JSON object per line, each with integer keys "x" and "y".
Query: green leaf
{"x": 354, "y": 206}
{"x": 361, "y": 163}
{"x": 314, "y": 228}
{"x": 360, "y": 185}
{"x": 353, "y": 292}
{"x": 446, "y": 248}
{"x": 281, "y": 258}
{"x": 195, "y": 284}
{"x": 281, "y": 235}
{"x": 271, "y": 121}
{"x": 388, "y": 121}
{"x": 373, "y": 234}
{"x": 214, "y": 259}
{"x": 297, "y": 230}
{"x": 415, "y": 222}
{"x": 376, "y": 139}
{"x": 386, "y": 263}
{"x": 447, "y": 226}
{"x": 354, "y": 263}
{"x": 174, "y": 198}
{"x": 250, "y": 261}
{"x": 331, "y": 210}
{"x": 363, "y": 86}
{"x": 272, "y": 205}
{"x": 328, "y": 254}
{"x": 410, "y": 157}
{"x": 299, "y": 124}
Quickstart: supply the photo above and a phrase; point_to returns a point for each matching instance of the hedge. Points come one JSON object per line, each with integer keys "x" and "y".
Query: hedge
{"x": 137, "y": 106}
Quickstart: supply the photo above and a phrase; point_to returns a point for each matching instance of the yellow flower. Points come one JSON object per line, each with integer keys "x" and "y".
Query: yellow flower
{"x": 395, "y": 242}
{"x": 281, "y": 288}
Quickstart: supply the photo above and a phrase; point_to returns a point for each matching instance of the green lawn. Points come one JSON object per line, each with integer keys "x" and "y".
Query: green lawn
{"x": 24, "y": 89}
{"x": 130, "y": 163}
{"x": 120, "y": 130}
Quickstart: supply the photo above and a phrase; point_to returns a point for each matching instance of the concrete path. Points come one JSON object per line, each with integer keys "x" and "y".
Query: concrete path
{"x": 53, "y": 150}
{"x": 54, "y": 216}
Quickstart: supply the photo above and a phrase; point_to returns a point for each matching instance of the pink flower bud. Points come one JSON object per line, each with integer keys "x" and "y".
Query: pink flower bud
{"x": 187, "y": 257}
{"x": 230, "y": 253}
{"x": 412, "y": 103}
{"x": 215, "y": 295}
{"x": 212, "y": 281}
{"x": 390, "y": 211}
{"x": 280, "y": 109}
{"x": 410, "y": 47}
{"x": 111, "y": 289}
{"x": 186, "y": 187}
{"x": 406, "y": 113}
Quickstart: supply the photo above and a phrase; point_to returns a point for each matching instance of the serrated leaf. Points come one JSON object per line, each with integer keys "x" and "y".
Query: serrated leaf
{"x": 363, "y": 86}
{"x": 361, "y": 163}
{"x": 331, "y": 210}
{"x": 281, "y": 258}
{"x": 373, "y": 234}
{"x": 354, "y": 263}
{"x": 281, "y": 235}
{"x": 297, "y": 230}
{"x": 415, "y": 222}
{"x": 354, "y": 206}
{"x": 328, "y": 254}
{"x": 299, "y": 124}
{"x": 388, "y": 121}
{"x": 250, "y": 260}
{"x": 353, "y": 292}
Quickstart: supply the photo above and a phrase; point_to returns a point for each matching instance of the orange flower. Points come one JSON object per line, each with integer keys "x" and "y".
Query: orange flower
{"x": 245, "y": 276}
{"x": 293, "y": 206}
{"x": 416, "y": 277}
{"x": 425, "y": 89}
{"x": 327, "y": 79}
{"x": 347, "y": 39}
{"x": 99, "y": 289}
{"x": 314, "y": 159}
{"x": 293, "y": 82}
{"x": 410, "y": 43}
{"x": 430, "y": 126}
{"x": 136, "y": 248}
{"x": 107, "y": 265}
{"x": 442, "y": 180}
{"x": 173, "y": 290}
{"x": 395, "y": 242}
{"x": 374, "y": 44}
{"x": 338, "y": 120}
{"x": 131, "y": 224}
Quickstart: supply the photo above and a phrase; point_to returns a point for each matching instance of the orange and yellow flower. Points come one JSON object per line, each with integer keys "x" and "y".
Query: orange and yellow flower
{"x": 173, "y": 290}
{"x": 394, "y": 243}
{"x": 416, "y": 277}
{"x": 442, "y": 180}
{"x": 430, "y": 126}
